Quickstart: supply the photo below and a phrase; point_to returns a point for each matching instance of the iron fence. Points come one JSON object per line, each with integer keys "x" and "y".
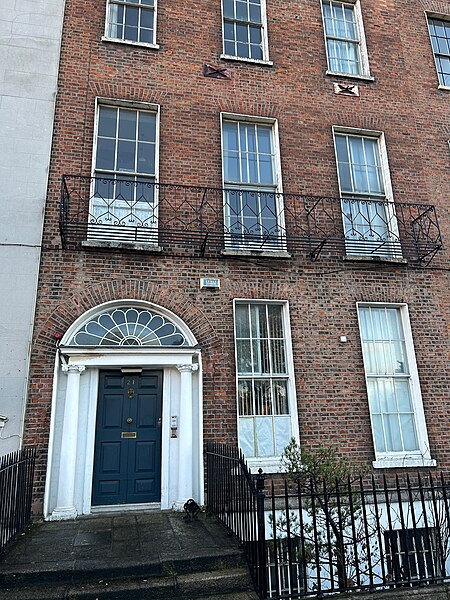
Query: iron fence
{"x": 16, "y": 485}
{"x": 315, "y": 539}
{"x": 237, "y": 500}
{"x": 204, "y": 220}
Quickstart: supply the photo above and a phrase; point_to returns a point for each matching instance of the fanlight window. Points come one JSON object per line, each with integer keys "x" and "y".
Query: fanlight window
{"x": 129, "y": 327}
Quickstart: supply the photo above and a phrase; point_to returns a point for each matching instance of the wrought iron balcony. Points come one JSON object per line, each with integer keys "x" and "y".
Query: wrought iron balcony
{"x": 134, "y": 212}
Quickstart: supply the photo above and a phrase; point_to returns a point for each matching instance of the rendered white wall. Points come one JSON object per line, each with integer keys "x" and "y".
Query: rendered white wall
{"x": 30, "y": 35}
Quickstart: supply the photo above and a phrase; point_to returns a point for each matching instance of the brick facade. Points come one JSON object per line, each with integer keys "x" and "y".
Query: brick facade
{"x": 403, "y": 102}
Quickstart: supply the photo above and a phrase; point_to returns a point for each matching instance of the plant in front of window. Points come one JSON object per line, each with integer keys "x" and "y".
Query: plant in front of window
{"x": 335, "y": 538}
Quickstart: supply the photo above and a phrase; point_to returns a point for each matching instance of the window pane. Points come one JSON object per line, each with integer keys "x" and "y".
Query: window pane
{"x": 131, "y": 16}
{"x": 403, "y": 396}
{"x": 127, "y": 124}
{"x": 256, "y": 51}
{"x": 261, "y": 362}
{"x": 228, "y": 8}
{"x": 279, "y": 363}
{"x": 230, "y": 136}
{"x": 266, "y": 175}
{"x": 232, "y": 167}
{"x": 265, "y": 139}
{"x": 247, "y": 437}
{"x": 281, "y": 406}
{"x": 230, "y": 48}
{"x": 146, "y": 158}
{"x": 107, "y": 121}
{"x": 242, "y": 321}
{"x": 262, "y": 397}
{"x": 283, "y": 434}
{"x": 105, "y": 154}
{"x": 265, "y": 436}
{"x": 241, "y": 10}
{"x": 378, "y": 432}
{"x": 131, "y": 33}
{"x": 245, "y": 397}
{"x": 258, "y": 320}
{"x": 147, "y": 19}
{"x": 126, "y": 156}
{"x": 147, "y": 127}
{"x": 244, "y": 356}
{"x": 275, "y": 321}
{"x": 255, "y": 13}
{"x": 392, "y": 432}
{"x": 242, "y": 33}
{"x": 229, "y": 32}
{"x": 409, "y": 432}
{"x": 146, "y": 35}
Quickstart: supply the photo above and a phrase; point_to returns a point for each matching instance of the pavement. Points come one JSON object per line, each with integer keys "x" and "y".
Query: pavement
{"x": 161, "y": 547}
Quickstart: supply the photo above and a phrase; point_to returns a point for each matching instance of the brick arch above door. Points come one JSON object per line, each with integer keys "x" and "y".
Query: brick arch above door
{"x": 75, "y": 305}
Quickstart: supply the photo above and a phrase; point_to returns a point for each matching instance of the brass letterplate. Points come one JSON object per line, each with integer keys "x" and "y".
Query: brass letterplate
{"x": 129, "y": 435}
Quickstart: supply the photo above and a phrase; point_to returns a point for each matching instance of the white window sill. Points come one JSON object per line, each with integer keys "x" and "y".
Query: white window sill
{"x": 444, "y": 87}
{"x": 257, "y": 253}
{"x": 376, "y": 258}
{"x": 268, "y": 465}
{"x": 114, "y": 245}
{"x": 350, "y": 76}
{"x": 399, "y": 462}
{"x": 256, "y": 61}
{"x": 131, "y": 43}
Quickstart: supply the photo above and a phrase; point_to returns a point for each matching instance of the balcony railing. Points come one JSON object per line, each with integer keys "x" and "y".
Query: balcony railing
{"x": 204, "y": 220}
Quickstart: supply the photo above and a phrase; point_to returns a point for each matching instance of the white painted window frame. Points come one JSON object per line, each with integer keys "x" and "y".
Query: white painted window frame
{"x": 363, "y": 54}
{"x": 271, "y": 464}
{"x": 442, "y": 17}
{"x": 143, "y": 106}
{"x": 224, "y": 116}
{"x": 385, "y": 170}
{"x": 107, "y": 38}
{"x": 264, "y": 37}
{"x": 421, "y": 457}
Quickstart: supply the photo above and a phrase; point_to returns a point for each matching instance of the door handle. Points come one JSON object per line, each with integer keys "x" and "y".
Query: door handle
{"x": 129, "y": 420}
{"x": 159, "y": 422}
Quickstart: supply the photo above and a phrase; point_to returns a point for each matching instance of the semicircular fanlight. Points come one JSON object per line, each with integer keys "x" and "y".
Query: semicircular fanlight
{"x": 129, "y": 327}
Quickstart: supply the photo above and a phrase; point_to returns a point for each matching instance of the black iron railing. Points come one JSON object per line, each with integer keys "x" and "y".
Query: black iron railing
{"x": 316, "y": 539}
{"x": 16, "y": 485}
{"x": 237, "y": 500}
{"x": 204, "y": 220}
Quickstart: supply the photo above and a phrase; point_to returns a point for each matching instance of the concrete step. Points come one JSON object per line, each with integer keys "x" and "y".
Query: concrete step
{"x": 226, "y": 584}
{"x": 125, "y": 557}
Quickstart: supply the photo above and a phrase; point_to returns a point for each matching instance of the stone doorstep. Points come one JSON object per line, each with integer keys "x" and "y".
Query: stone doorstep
{"x": 91, "y": 570}
{"x": 229, "y": 584}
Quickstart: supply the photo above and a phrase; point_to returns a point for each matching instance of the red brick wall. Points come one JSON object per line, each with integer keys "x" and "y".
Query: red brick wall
{"x": 403, "y": 102}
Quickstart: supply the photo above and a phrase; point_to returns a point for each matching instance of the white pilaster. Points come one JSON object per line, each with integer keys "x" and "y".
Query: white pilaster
{"x": 65, "y": 505}
{"x": 185, "y": 436}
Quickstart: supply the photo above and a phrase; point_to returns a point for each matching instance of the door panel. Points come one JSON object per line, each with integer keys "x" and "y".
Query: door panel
{"x": 127, "y": 460}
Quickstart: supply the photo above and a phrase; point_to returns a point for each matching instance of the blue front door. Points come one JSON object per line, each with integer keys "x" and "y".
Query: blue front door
{"x": 127, "y": 458}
